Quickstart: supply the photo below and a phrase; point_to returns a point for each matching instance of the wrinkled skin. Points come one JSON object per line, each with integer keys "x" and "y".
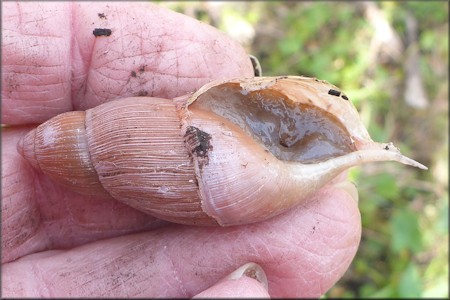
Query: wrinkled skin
{"x": 56, "y": 243}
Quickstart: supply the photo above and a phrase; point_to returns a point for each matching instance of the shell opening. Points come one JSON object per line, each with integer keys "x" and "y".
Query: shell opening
{"x": 291, "y": 131}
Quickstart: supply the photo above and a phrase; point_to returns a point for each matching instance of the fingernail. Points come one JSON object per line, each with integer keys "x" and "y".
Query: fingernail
{"x": 350, "y": 188}
{"x": 251, "y": 270}
{"x": 256, "y": 65}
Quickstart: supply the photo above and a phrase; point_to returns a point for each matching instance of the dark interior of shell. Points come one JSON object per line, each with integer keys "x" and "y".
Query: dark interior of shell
{"x": 291, "y": 131}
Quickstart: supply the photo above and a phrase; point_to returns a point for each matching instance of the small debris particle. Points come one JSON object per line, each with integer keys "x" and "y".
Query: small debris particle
{"x": 386, "y": 147}
{"x": 199, "y": 144}
{"x": 102, "y": 32}
{"x": 133, "y": 74}
{"x": 201, "y": 140}
{"x": 252, "y": 274}
{"x": 142, "y": 93}
{"x": 344, "y": 97}
{"x": 284, "y": 144}
{"x": 334, "y": 93}
{"x": 142, "y": 68}
{"x": 101, "y": 15}
{"x": 286, "y": 140}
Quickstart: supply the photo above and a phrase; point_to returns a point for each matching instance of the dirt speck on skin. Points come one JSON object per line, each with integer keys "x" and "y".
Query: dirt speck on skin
{"x": 314, "y": 228}
{"x": 142, "y": 69}
{"x": 102, "y": 32}
{"x": 101, "y": 15}
{"x": 142, "y": 93}
{"x": 133, "y": 74}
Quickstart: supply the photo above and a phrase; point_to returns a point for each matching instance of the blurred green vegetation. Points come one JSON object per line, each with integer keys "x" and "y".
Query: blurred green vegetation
{"x": 371, "y": 50}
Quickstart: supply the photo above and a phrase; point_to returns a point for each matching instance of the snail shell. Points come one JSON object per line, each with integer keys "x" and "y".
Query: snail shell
{"x": 234, "y": 152}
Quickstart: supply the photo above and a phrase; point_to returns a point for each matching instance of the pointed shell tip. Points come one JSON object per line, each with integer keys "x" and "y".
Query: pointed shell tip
{"x": 25, "y": 147}
{"x": 408, "y": 161}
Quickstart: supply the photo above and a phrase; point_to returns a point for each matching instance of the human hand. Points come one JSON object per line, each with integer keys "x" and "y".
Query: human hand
{"x": 58, "y": 243}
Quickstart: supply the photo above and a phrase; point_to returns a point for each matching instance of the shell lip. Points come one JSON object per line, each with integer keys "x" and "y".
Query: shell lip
{"x": 315, "y": 92}
{"x": 388, "y": 150}
{"x": 304, "y": 90}
{"x": 249, "y": 84}
{"x": 367, "y": 152}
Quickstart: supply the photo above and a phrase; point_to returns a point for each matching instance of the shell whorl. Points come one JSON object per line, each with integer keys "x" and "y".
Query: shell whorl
{"x": 142, "y": 153}
{"x": 59, "y": 147}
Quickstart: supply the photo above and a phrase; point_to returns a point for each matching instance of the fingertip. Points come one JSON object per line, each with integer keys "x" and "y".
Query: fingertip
{"x": 349, "y": 188}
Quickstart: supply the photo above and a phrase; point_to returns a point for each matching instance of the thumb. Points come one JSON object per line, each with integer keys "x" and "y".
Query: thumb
{"x": 248, "y": 281}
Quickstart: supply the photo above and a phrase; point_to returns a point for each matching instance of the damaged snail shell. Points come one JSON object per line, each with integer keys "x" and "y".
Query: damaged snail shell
{"x": 235, "y": 152}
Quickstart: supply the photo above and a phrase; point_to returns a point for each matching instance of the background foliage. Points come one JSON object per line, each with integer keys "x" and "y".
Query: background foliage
{"x": 391, "y": 59}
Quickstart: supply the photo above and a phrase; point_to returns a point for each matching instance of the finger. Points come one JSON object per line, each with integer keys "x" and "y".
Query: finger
{"x": 52, "y": 62}
{"x": 39, "y": 215}
{"x": 248, "y": 281}
{"x": 303, "y": 252}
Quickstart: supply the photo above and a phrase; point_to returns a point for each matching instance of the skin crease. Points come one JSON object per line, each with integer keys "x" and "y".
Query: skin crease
{"x": 58, "y": 243}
